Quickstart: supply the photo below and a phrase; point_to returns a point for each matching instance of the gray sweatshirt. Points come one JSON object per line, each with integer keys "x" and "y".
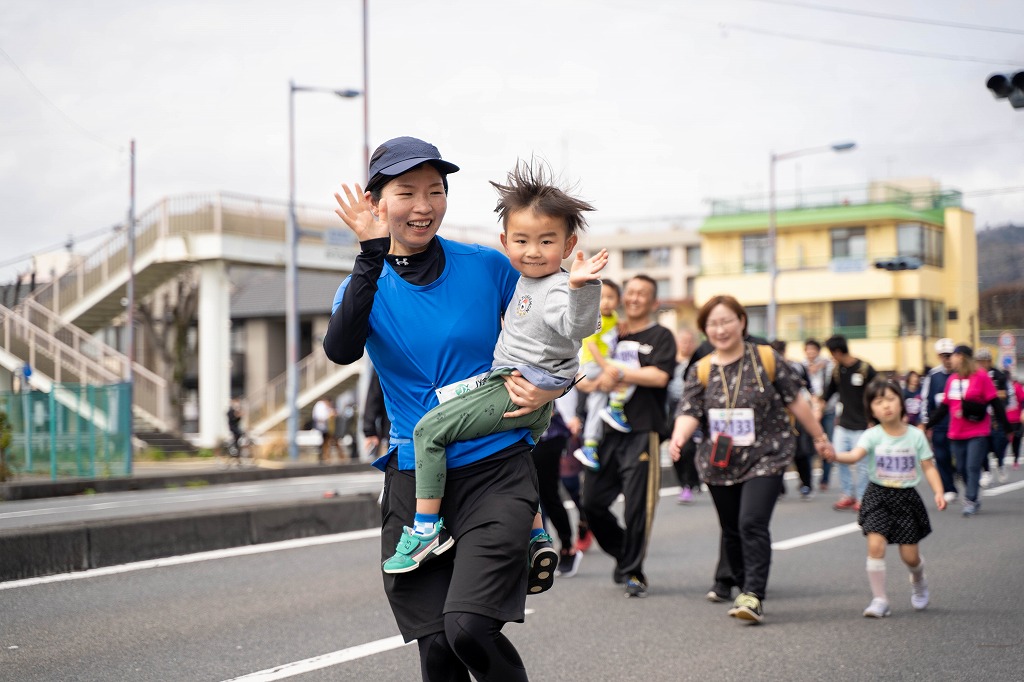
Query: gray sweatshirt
{"x": 545, "y": 324}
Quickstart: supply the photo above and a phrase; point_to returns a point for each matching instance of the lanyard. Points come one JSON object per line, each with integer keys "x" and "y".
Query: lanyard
{"x": 729, "y": 404}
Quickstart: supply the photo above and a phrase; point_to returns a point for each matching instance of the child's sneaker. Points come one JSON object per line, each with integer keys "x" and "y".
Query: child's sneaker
{"x": 413, "y": 549}
{"x": 685, "y": 496}
{"x": 543, "y": 560}
{"x": 615, "y": 417}
{"x": 587, "y": 455}
{"x": 919, "y": 593}
{"x": 878, "y": 608}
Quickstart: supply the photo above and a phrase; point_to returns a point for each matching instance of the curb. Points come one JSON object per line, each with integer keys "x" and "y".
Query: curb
{"x": 33, "y": 490}
{"x": 79, "y": 547}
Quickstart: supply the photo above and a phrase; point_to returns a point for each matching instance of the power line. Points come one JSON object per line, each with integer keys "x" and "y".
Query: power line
{"x": 862, "y": 46}
{"x": 894, "y": 17}
{"x": 72, "y": 239}
{"x": 74, "y": 124}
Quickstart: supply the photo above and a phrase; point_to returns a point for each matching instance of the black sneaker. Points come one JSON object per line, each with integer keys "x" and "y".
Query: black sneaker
{"x": 719, "y": 593}
{"x": 568, "y": 563}
{"x": 543, "y": 560}
{"x": 636, "y": 586}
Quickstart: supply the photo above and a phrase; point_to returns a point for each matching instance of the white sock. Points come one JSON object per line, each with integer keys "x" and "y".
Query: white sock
{"x": 876, "y": 578}
{"x": 917, "y": 572}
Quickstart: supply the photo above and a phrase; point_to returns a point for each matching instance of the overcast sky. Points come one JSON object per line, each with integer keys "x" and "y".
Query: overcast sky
{"x": 652, "y": 106}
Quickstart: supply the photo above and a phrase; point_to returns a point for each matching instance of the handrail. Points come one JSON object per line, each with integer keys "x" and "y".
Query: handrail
{"x": 194, "y": 214}
{"x": 46, "y": 351}
{"x": 264, "y": 401}
{"x": 149, "y": 390}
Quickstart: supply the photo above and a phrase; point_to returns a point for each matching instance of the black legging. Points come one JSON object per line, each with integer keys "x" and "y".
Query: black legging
{"x": 546, "y": 457}
{"x": 470, "y": 643}
{"x": 745, "y": 513}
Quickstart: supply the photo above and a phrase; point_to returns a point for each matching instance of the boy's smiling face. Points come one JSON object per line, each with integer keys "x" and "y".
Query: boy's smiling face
{"x": 536, "y": 243}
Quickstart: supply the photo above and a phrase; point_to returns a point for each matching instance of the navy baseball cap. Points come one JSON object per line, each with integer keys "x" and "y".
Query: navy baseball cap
{"x": 401, "y": 154}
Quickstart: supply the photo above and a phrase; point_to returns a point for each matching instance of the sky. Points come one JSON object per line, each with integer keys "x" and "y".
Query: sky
{"x": 649, "y": 108}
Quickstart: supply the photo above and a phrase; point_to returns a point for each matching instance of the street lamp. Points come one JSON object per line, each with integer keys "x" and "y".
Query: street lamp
{"x": 773, "y": 272}
{"x": 291, "y": 288}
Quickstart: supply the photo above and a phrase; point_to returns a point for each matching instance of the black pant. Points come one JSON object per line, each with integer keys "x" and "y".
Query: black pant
{"x": 546, "y": 457}
{"x": 686, "y": 466}
{"x": 745, "y": 513}
{"x": 629, "y": 465}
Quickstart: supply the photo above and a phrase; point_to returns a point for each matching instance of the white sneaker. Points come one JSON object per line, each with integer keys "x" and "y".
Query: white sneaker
{"x": 878, "y": 608}
{"x": 950, "y": 496}
{"x": 919, "y": 593}
{"x": 1002, "y": 475}
{"x": 986, "y": 479}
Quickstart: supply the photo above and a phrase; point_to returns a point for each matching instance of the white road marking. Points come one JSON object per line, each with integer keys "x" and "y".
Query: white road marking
{"x": 245, "y": 550}
{"x": 287, "y": 670}
{"x": 1006, "y": 488}
{"x": 324, "y": 661}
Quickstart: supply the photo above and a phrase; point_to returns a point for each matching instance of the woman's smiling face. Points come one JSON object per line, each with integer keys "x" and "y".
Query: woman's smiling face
{"x": 416, "y": 204}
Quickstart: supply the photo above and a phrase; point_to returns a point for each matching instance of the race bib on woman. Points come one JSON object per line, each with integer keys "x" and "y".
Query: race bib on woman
{"x": 737, "y": 422}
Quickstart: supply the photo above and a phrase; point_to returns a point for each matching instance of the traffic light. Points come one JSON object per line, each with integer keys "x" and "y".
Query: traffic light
{"x": 898, "y": 263}
{"x": 1007, "y": 85}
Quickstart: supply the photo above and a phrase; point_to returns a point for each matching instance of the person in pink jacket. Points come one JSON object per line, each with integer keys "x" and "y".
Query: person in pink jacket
{"x": 1014, "y": 400}
{"x": 969, "y": 396}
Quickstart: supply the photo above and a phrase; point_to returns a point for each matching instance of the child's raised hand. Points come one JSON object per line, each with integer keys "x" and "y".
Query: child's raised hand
{"x": 356, "y": 212}
{"x": 585, "y": 270}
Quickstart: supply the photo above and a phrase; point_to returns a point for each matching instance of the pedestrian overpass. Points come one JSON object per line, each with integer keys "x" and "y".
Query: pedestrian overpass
{"x": 52, "y": 330}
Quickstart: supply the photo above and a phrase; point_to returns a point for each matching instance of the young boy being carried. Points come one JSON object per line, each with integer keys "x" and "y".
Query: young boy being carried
{"x": 551, "y": 313}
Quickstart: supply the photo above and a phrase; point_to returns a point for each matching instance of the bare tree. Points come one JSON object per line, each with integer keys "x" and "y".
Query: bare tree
{"x": 166, "y": 329}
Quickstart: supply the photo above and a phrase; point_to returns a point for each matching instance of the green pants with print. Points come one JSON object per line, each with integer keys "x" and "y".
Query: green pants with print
{"x": 471, "y": 415}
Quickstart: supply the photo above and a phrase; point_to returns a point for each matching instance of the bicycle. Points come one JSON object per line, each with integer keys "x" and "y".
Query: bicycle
{"x": 238, "y": 453}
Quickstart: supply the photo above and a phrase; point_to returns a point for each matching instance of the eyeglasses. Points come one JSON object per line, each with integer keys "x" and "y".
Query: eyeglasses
{"x": 945, "y": 355}
{"x": 721, "y": 324}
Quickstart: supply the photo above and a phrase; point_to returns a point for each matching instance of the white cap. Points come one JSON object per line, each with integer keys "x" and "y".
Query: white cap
{"x": 944, "y": 346}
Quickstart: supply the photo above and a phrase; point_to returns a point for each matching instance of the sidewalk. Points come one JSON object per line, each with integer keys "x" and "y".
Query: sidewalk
{"x": 176, "y": 472}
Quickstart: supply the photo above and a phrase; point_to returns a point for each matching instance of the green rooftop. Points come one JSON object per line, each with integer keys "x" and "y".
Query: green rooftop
{"x": 837, "y": 205}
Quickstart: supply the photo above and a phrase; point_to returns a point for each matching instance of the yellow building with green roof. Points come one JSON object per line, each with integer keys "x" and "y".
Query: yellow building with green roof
{"x": 832, "y": 246}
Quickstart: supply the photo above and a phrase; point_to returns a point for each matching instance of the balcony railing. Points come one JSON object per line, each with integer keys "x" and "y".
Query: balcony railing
{"x": 858, "y": 195}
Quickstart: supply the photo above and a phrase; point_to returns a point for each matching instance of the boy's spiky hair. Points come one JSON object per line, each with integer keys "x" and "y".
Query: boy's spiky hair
{"x": 529, "y": 186}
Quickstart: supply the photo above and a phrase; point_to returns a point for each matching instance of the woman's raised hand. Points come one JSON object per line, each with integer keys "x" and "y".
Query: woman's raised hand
{"x": 356, "y": 212}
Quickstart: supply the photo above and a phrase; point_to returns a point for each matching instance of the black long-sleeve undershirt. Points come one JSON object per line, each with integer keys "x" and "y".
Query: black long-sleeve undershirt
{"x": 350, "y": 323}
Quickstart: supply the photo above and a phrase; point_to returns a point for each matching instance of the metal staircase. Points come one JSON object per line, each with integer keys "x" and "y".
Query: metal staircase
{"x": 51, "y": 330}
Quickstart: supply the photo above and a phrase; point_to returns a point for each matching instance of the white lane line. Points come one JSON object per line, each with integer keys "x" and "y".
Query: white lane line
{"x": 1006, "y": 488}
{"x": 230, "y": 552}
{"x": 819, "y": 536}
{"x": 287, "y": 670}
{"x": 324, "y": 661}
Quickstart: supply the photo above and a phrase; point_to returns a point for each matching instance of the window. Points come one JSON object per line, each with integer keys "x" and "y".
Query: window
{"x": 757, "y": 320}
{"x": 693, "y": 256}
{"x": 756, "y": 253}
{"x": 920, "y": 241}
{"x": 645, "y": 259}
{"x": 691, "y": 285}
{"x": 664, "y": 289}
{"x": 239, "y": 337}
{"x": 910, "y": 317}
{"x": 849, "y": 244}
{"x": 850, "y": 318}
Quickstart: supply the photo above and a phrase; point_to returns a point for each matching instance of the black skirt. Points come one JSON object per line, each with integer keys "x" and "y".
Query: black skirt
{"x": 897, "y": 514}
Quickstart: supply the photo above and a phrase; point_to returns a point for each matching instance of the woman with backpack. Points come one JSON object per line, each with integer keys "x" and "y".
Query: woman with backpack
{"x": 742, "y": 393}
